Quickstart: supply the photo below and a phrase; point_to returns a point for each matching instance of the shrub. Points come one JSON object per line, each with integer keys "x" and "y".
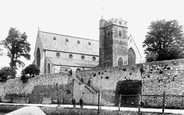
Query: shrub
{"x": 6, "y": 73}
{"x": 31, "y": 70}
{"x": 24, "y": 78}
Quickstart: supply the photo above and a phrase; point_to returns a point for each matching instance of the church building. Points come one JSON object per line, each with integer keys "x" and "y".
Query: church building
{"x": 56, "y": 52}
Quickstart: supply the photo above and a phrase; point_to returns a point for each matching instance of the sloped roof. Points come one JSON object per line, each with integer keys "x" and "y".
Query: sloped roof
{"x": 58, "y": 42}
{"x": 131, "y": 37}
{"x": 72, "y": 62}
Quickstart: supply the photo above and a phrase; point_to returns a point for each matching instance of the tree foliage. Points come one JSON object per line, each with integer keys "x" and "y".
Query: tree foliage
{"x": 32, "y": 70}
{"x": 6, "y": 73}
{"x": 164, "y": 41}
{"x": 17, "y": 46}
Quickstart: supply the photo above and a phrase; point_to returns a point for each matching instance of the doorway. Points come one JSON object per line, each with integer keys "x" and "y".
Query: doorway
{"x": 129, "y": 91}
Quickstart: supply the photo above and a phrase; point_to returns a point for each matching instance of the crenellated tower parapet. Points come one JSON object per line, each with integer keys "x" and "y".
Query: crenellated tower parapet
{"x": 116, "y": 22}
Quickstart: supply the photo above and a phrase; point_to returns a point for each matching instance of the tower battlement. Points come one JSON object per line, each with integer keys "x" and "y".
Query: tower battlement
{"x": 118, "y": 22}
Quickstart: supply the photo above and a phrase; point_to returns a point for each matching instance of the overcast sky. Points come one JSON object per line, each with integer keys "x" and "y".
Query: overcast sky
{"x": 81, "y": 17}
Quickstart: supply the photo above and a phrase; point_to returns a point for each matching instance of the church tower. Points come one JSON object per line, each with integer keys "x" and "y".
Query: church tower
{"x": 113, "y": 43}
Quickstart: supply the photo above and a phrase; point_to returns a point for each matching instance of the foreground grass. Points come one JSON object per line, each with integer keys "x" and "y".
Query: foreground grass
{"x": 77, "y": 111}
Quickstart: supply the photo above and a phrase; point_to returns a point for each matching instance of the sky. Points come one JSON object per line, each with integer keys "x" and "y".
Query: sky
{"x": 80, "y": 18}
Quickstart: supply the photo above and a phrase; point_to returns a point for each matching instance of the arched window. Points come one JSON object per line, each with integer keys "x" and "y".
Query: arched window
{"x": 108, "y": 33}
{"x": 38, "y": 58}
{"x": 120, "y": 62}
{"x": 131, "y": 56}
{"x": 48, "y": 67}
{"x": 120, "y": 33}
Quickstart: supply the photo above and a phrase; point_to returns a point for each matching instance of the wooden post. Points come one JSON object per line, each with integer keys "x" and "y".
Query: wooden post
{"x": 57, "y": 90}
{"x": 98, "y": 104}
{"x": 119, "y": 102}
{"x": 163, "y": 103}
{"x": 139, "y": 103}
{"x": 182, "y": 102}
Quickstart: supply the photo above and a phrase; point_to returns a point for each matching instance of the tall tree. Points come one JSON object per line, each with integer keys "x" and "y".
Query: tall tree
{"x": 164, "y": 41}
{"x": 17, "y": 46}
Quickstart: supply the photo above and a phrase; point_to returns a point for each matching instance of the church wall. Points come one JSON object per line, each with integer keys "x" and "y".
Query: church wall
{"x": 47, "y": 68}
{"x": 66, "y": 55}
{"x": 42, "y": 58}
{"x": 43, "y": 63}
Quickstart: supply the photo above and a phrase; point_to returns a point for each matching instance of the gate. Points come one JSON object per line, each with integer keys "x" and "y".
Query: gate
{"x": 129, "y": 91}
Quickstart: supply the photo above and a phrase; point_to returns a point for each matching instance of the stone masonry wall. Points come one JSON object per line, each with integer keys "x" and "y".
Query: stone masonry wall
{"x": 40, "y": 89}
{"x": 162, "y": 76}
{"x": 107, "y": 78}
{"x": 156, "y": 77}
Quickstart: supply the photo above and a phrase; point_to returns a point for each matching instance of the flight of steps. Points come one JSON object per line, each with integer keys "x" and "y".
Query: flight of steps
{"x": 92, "y": 89}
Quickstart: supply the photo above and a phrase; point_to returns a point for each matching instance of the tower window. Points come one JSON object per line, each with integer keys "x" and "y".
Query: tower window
{"x": 120, "y": 33}
{"x": 108, "y": 33}
{"x": 54, "y": 38}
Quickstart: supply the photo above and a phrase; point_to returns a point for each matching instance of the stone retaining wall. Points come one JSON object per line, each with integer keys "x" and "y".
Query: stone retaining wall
{"x": 40, "y": 89}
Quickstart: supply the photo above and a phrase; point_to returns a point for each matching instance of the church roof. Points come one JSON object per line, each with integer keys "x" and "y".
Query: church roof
{"x": 71, "y": 62}
{"x": 131, "y": 37}
{"x": 58, "y": 42}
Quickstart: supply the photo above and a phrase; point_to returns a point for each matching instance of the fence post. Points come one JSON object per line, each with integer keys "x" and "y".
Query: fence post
{"x": 119, "y": 102}
{"x": 98, "y": 104}
{"x": 163, "y": 103}
{"x": 139, "y": 103}
{"x": 182, "y": 102}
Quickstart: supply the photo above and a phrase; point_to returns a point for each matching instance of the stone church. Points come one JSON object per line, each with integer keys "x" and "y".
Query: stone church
{"x": 56, "y": 52}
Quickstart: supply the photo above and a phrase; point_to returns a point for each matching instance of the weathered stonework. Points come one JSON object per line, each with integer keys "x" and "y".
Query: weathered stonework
{"x": 38, "y": 89}
{"x": 113, "y": 43}
{"x": 156, "y": 77}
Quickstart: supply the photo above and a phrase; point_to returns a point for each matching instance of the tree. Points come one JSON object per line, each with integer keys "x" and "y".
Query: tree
{"x": 6, "y": 73}
{"x": 164, "y": 41}
{"x": 32, "y": 70}
{"x": 17, "y": 46}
